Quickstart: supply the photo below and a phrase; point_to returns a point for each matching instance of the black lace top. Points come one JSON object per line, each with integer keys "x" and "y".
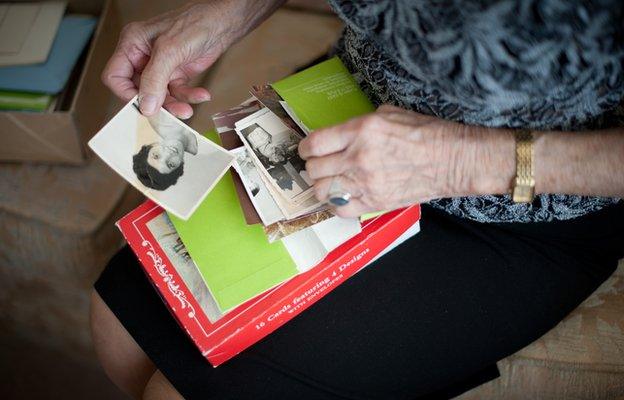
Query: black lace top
{"x": 551, "y": 64}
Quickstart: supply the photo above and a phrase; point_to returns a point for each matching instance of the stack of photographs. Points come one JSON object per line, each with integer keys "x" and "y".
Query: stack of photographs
{"x": 176, "y": 167}
{"x": 268, "y": 163}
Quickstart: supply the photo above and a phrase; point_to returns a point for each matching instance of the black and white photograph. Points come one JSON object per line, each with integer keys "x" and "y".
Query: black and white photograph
{"x": 274, "y": 145}
{"x": 265, "y": 205}
{"x": 162, "y": 157}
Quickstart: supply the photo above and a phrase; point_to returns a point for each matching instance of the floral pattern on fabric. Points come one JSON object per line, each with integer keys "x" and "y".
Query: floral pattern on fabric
{"x": 549, "y": 64}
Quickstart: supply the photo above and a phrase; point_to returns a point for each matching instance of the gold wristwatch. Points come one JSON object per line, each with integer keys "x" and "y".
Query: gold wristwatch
{"x": 524, "y": 183}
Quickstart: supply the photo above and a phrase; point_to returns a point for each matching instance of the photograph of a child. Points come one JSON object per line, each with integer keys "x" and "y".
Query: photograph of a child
{"x": 162, "y": 157}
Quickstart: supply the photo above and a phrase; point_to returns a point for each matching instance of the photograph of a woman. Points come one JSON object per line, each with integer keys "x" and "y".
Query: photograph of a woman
{"x": 158, "y": 165}
{"x": 168, "y": 161}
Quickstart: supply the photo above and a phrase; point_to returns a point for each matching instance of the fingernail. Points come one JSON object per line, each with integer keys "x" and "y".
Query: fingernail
{"x": 148, "y": 104}
{"x": 203, "y": 97}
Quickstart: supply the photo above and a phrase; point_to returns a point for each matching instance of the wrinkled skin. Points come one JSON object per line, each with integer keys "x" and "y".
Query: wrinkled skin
{"x": 393, "y": 158}
{"x": 157, "y": 58}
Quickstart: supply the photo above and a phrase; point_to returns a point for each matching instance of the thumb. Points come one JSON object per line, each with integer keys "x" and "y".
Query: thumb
{"x": 155, "y": 78}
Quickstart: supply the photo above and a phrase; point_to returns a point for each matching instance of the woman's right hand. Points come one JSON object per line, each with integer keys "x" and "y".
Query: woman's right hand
{"x": 157, "y": 58}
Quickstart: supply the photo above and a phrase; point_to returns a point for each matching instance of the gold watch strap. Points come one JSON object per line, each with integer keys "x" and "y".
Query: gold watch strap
{"x": 524, "y": 184}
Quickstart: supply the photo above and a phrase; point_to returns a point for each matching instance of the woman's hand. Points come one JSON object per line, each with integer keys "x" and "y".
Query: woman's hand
{"x": 157, "y": 58}
{"x": 393, "y": 158}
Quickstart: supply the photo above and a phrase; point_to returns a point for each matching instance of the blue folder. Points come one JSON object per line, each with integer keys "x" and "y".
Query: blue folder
{"x": 51, "y": 76}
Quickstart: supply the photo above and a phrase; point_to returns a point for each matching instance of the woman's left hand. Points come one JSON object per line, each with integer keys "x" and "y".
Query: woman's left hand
{"x": 393, "y": 158}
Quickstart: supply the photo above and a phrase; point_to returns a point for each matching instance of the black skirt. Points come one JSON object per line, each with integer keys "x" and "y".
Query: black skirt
{"x": 427, "y": 321}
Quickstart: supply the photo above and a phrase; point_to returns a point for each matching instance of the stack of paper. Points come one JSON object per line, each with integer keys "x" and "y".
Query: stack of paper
{"x": 237, "y": 255}
{"x": 24, "y": 101}
{"x": 27, "y": 31}
{"x": 270, "y": 128}
{"x": 283, "y": 229}
{"x": 39, "y": 47}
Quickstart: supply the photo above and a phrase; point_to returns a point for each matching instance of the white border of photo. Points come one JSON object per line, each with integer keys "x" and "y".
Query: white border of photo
{"x": 263, "y": 200}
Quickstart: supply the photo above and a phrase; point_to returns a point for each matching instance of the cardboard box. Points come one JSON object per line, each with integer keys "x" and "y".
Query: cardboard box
{"x": 61, "y": 136}
{"x": 251, "y": 321}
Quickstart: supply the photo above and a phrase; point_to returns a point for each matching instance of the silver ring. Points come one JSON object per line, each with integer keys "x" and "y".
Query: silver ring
{"x": 337, "y": 196}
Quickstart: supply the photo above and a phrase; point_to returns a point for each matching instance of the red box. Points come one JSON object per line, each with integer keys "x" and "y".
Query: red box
{"x": 258, "y": 317}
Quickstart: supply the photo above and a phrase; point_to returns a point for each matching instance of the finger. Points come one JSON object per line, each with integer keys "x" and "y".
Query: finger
{"x": 118, "y": 76}
{"x": 354, "y": 209}
{"x": 178, "y": 108}
{"x": 128, "y": 60}
{"x": 330, "y": 165}
{"x": 323, "y": 186}
{"x": 326, "y": 141}
{"x": 188, "y": 94}
{"x": 155, "y": 78}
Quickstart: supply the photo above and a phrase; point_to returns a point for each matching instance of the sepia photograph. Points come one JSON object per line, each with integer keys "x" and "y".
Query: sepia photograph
{"x": 282, "y": 229}
{"x": 162, "y": 157}
{"x": 274, "y": 145}
{"x": 225, "y": 121}
{"x": 269, "y": 98}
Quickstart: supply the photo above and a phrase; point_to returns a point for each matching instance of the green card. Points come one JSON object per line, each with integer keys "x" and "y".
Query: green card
{"x": 235, "y": 259}
{"x": 323, "y": 95}
{"x": 24, "y": 101}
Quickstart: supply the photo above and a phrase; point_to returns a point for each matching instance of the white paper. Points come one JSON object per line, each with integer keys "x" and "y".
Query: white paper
{"x": 309, "y": 246}
{"x": 28, "y": 30}
{"x": 260, "y": 196}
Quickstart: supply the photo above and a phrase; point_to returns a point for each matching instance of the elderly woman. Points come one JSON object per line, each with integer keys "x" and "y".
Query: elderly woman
{"x": 503, "y": 122}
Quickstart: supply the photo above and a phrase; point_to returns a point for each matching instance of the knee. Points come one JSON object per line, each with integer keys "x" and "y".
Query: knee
{"x": 122, "y": 359}
{"x": 159, "y": 388}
